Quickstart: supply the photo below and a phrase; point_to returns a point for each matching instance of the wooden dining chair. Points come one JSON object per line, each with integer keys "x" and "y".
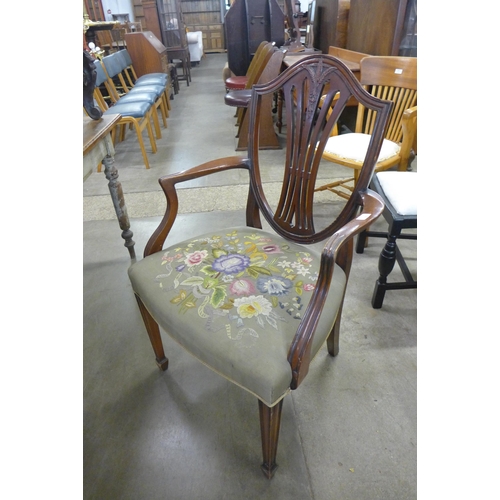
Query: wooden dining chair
{"x": 137, "y": 115}
{"x": 120, "y": 91}
{"x": 257, "y": 305}
{"x": 388, "y": 77}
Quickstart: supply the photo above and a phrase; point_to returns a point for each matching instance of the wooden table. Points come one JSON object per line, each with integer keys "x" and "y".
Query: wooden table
{"x": 97, "y": 148}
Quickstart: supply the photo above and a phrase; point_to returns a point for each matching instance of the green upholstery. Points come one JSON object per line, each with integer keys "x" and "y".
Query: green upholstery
{"x": 241, "y": 293}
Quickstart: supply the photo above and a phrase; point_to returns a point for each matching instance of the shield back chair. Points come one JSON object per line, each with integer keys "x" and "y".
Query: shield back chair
{"x": 150, "y": 78}
{"x": 388, "y": 77}
{"x": 137, "y": 115}
{"x": 398, "y": 190}
{"x": 152, "y": 93}
{"x": 255, "y": 305}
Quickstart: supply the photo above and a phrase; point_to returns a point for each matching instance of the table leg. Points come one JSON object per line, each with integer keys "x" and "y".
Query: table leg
{"x": 115, "y": 189}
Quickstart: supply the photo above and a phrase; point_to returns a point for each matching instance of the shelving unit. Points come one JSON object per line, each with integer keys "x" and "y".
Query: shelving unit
{"x": 206, "y": 16}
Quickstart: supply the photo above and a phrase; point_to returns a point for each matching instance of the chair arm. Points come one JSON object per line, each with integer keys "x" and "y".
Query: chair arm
{"x": 168, "y": 182}
{"x": 409, "y": 126}
{"x": 299, "y": 354}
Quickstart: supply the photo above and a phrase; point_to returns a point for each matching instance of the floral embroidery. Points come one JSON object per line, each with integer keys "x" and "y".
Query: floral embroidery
{"x": 237, "y": 283}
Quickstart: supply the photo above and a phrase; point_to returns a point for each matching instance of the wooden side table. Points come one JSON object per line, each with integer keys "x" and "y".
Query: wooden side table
{"x": 98, "y": 147}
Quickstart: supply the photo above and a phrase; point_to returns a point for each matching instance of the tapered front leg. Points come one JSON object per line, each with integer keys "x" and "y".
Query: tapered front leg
{"x": 270, "y": 419}
{"x": 154, "y": 335}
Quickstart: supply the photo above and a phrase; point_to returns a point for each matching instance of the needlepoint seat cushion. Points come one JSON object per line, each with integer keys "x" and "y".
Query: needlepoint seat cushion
{"x": 241, "y": 293}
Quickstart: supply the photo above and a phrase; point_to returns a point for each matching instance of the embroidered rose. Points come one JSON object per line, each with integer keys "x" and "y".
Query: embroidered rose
{"x": 248, "y": 307}
{"x": 242, "y": 287}
{"x": 195, "y": 258}
{"x": 271, "y": 249}
{"x": 308, "y": 287}
{"x": 274, "y": 285}
{"x": 231, "y": 264}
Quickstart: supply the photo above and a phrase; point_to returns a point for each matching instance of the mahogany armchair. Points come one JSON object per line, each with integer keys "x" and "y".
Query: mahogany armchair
{"x": 256, "y": 305}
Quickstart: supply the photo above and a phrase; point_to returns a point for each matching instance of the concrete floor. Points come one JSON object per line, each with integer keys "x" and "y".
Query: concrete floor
{"x": 349, "y": 432}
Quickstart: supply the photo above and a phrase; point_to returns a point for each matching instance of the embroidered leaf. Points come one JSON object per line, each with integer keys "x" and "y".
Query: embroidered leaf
{"x": 182, "y": 295}
{"x": 210, "y": 283}
{"x": 298, "y": 290}
{"x": 260, "y": 321}
{"x": 251, "y": 247}
{"x": 218, "y": 296}
{"x": 261, "y": 270}
{"x": 274, "y": 300}
{"x": 274, "y": 269}
{"x": 252, "y": 272}
{"x": 272, "y": 322}
{"x": 201, "y": 309}
{"x": 299, "y": 283}
{"x": 190, "y": 304}
{"x": 193, "y": 281}
{"x": 218, "y": 252}
{"x": 208, "y": 270}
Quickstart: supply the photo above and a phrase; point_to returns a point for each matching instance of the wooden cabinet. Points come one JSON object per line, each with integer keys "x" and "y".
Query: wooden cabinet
{"x": 148, "y": 54}
{"x": 330, "y": 26}
{"x": 206, "y": 16}
{"x": 376, "y": 26}
{"x": 173, "y": 29}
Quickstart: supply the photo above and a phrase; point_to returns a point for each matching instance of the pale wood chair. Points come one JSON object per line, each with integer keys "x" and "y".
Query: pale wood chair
{"x": 137, "y": 115}
{"x": 387, "y": 77}
{"x": 257, "y": 305}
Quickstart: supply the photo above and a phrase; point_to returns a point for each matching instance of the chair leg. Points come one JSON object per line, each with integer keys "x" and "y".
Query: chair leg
{"x": 270, "y": 419}
{"x": 141, "y": 141}
{"x": 361, "y": 242}
{"x": 154, "y": 335}
{"x": 386, "y": 263}
{"x": 332, "y": 341}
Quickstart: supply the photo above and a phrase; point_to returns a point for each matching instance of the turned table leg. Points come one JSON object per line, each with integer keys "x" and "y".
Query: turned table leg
{"x": 115, "y": 189}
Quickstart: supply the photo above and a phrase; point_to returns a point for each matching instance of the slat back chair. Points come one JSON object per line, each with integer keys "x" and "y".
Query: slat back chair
{"x": 239, "y": 298}
{"x": 135, "y": 114}
{"x": 113, "y": 66}
{"x": 133, "y": 80}
{"x": 386, "y": 77}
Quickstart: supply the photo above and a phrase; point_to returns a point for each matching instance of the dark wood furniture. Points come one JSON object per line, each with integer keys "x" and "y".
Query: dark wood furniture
{"x": 399, "y": 187}
{"x": 148, "y": 53}
{"x": 173, "y": 35}
{"x": 227, "y": 296}
{"x": 376, "y": 26}
{"x": 330, "y": 26}
{"x": 206, "y": 16}
{"x": 247, "y": 24}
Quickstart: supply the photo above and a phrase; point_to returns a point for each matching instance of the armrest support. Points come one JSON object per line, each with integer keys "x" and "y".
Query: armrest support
{"x": 409, "y": 126}
{"x": 299, "y": 354}
{"x": 168, "y": 184}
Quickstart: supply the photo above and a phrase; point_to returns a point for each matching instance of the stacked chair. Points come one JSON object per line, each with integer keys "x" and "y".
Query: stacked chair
{"x": 150, "y": 78}
{"x": 113, "y": 65}
{"x": 135, "y": 113}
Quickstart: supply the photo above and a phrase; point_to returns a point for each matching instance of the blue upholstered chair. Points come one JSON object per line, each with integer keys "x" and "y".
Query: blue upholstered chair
{"x": 136, "y": 113}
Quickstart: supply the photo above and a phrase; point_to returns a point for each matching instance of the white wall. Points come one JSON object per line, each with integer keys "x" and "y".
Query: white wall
{"x": 118, "y": 7}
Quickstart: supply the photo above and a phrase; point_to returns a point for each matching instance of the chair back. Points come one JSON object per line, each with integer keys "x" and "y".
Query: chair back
{"x": 315, "y": 92}
{"x": 259, "y": 62}
{"x": 393, "y": 78}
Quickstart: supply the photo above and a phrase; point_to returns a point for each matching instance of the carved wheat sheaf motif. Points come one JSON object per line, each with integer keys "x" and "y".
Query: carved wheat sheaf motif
{"x": 318, "y": 78}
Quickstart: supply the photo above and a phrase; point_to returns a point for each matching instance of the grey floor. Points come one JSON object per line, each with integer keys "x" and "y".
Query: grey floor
{"x": 349, "y": 432}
